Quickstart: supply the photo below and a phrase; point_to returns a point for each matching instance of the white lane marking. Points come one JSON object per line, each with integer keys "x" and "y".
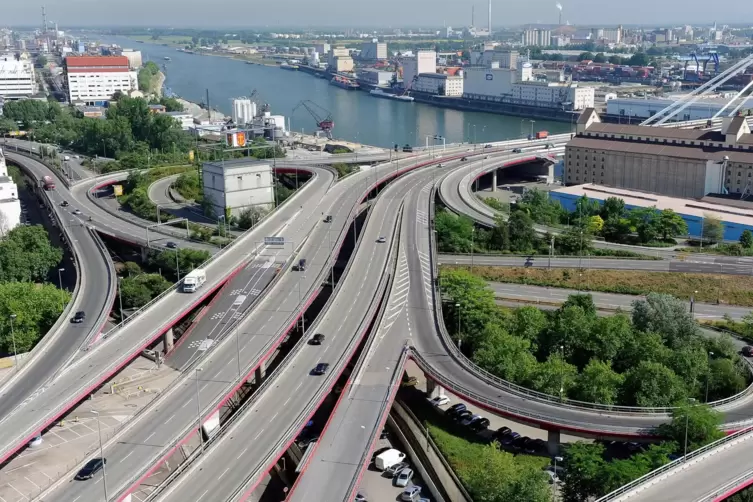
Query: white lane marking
{"x": 244, "y": 451}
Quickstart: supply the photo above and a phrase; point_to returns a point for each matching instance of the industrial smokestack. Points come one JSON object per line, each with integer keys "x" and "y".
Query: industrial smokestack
{"x": 473, "y": 15}
{"x": 559, "y": 8}
{"x": 490, "y": 18}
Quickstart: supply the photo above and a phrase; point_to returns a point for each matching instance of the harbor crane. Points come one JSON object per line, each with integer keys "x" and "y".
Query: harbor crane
{"x": 321, "y": 115}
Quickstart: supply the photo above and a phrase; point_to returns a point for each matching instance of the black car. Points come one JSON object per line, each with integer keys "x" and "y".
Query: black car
{"x": 407, "y": 148}
{"x": 463, "y": 159}
{"x": 320, "y": 369}
{"x": 520, "y": 442}
{"x": 479, "y": 424}
{"x": 64, "y": 203}
{"x": 171, "y": 245}
{"x": 317, "y": 339}
{"x": 501, "y": 433}
{"x": 91, "y": 468}
{"x": 747, "y": 351}
{"x": 79, "y": 317}
{"x": 455, "y": 409}
{"x": 328, "y": 219}
{"x": 463, "y": 415}
{"x": 517, "y": 150}
{"x": 300, "y": 266}
{"x": 487, "y": 146}
{"x": 385, "y": 434}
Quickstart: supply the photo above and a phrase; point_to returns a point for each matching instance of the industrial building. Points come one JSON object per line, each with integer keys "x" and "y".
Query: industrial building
{"x": 94, "y": 79}
{"x": 567, "y": 95}
{"x": 375, "y": 78}
{"x": 422, "y": 62}
{"x": 238, "y": 185}
{"x": 17, "y": 78}
{"x": 734, "y": 219}
{"x": 185, "y": 119}
{"x": 506, "y": 59}
{"x": 540, "y": 38}
{"x": 10, "y": 206}
{"x": 440, "y": 84}
{"x": 134, "y": 58}
{"x": 638, "y": 109}
{"x": 687, "y": 163}
{"x": 374, "y": 51}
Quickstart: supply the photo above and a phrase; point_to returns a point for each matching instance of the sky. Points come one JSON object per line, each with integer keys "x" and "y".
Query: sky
{"x": 370, "y": 13}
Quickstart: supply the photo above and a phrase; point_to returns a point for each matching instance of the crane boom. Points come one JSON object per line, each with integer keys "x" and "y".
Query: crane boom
{"x": 321, "y": 115}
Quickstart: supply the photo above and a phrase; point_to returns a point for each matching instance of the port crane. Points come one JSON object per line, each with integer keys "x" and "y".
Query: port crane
{"x": 326, "y": 124}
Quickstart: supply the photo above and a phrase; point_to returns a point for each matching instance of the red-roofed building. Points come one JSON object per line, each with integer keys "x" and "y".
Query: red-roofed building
{"x": 93, "y": 80}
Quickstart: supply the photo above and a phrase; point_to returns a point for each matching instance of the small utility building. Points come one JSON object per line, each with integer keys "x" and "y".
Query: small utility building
{"x": 238, "y": 185}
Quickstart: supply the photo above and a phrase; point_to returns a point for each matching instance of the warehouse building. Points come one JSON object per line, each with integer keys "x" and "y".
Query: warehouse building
{"x": 735, "y": 220}
{"x": 16, "y": 77}
{"x": 93, "y": 80}
{"x": 374, "y": 51}
{"x": 423, "y": 62}
{"x": 439, "y": 84}
{"x": 685, "y": 163}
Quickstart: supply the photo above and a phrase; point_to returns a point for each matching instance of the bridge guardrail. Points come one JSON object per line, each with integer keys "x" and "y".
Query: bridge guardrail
{"x": 737, "y": 436}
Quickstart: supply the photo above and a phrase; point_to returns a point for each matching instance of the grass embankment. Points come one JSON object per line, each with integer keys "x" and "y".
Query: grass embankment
{"x": 188, "y": 185}
{"x": 706, "y": 288}
{"x": 487, "y": 472}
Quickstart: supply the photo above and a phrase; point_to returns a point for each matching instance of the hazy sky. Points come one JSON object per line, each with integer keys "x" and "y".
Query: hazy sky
{"x": 397, "y": 13}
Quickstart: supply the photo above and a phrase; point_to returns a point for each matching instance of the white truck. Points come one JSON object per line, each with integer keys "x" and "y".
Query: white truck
{"x": 194, "y": 280}
{"x": 388, "y": 458}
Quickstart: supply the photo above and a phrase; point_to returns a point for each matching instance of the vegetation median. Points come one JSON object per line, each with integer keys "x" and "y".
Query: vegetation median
{"x": 706, "y": 288}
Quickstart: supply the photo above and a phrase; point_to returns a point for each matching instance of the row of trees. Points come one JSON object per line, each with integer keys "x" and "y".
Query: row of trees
{"x": 26, "y": 260}
{"x": 656, "y": 357}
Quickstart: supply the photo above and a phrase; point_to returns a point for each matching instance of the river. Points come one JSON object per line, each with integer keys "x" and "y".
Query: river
{"x": 358, "y": 116}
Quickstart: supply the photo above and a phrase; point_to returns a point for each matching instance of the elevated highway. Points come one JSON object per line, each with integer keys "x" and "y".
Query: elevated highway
{"x": 94, "y": 294}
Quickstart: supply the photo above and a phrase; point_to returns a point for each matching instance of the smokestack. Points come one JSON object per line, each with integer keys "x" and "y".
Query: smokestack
{"x": 559, "y": 8}
{"x": 473, "y": 15}
{"x": 490, "y": 18}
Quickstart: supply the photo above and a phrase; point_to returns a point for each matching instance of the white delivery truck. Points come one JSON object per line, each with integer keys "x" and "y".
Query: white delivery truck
{"x": 388, "y": 458}
{"x": 194, "y": 280}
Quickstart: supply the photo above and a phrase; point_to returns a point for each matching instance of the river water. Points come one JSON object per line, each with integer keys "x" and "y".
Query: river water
{"x": 358, "y": 116}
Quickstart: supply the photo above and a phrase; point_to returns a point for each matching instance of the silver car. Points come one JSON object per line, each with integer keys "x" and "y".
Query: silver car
{"x": 411, "y": 494}
{"x": 404, "y": 477}
{"x": 394, "y": 470}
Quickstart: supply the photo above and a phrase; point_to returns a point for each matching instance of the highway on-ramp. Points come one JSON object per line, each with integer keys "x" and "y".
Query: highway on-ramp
{"x": 96, "y": 293}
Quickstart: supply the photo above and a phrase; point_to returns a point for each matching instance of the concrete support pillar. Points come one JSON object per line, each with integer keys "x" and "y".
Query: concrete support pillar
{"x": 169, "y": 340}
{"x": 553, "y": 443}
{"x": 494, "y": 180}
{"x": 260, "y": 374}
{"x": 550, "y": 174}
{"x": 144, "y": 254}
{"x": 431, "y": 387}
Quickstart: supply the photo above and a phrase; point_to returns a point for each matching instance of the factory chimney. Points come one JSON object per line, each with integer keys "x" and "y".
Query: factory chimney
{"x": 473, "y": 15}
{"x": 490, "y": 18}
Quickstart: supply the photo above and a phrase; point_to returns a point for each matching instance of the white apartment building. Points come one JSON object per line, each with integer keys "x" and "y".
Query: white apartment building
{"x": 17, "y": 78}
{"x": 422, "y": 62}
{"x": 542, "y": 38}
{"x": 237, "y": 185}
{"x": 10, "y": 206}
{"x": 94, "y": 79}
{"x": 506, "y": 59}
{"x": 439, "y": 84}
{"x": 553, "y": 94}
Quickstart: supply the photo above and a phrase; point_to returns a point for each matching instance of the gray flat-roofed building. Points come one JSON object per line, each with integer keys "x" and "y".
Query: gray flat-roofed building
{"x": 686, "y": 163}
{"x": 238, "y": 185}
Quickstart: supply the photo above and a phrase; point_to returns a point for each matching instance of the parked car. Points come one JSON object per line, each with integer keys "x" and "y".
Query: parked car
{"x": 510, "y": 438}
{"x": 530, "y": 446}
{"x": 520, "y": 442}
{"x": 404, "y": 477}
{"x": 409, "y": 382}
{"x": 91, "y": 468}
{"x": 411, "y": 494}
{"x": 479, "y": 425}
{"x": 394, "y": 470}
{"x": 539, "y": 445}
{"x": 440, "y": 400}
{"x": 385, "y": 434}
{"x": 501, "y": 432}
{"x": 320, "y": 369}
{"x": 317, "y": 339}
{"x": 463, "y": 415}
{"x": 468, "y": 420}
{"x": 455, "y": 409}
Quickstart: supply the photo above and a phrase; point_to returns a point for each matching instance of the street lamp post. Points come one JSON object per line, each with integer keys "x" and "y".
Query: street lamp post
{"x": 177, "y": 263}
{"x": 556, "y": 477}
{"x": 101, "y": 454}
{"x": 708, "y": 374}
{"x": 120, "y": 297}
{"x": 198, "y": 411}
{"x": 473, "y": 233}
{"x": 13, "y": 339}
{"x": 60, "y": 277}
{"x": 457, "y": 308}
{"x": 685, "y": 454}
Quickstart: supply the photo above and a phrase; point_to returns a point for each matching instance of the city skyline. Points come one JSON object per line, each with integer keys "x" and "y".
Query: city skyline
{"x": 388, "y": 13}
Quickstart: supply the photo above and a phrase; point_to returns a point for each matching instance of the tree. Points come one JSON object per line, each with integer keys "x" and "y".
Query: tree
{"x": 600, "y": 58}
{"x": 645, "y": 222}
{"x": 670, "y": 224}
{"x": 505, "y": 355}
{"x": 499, "y": 237}
{"x": 41, "y": 60}
{"x": 642, "y": 347}
{"x": 608, "y": 336}
{"x": 595, "y": 224}
{"x": 574, "y": 241}
{"x": 666, "y": 315}
{"x": 585, "y": 465}
{"x": 522, "y": 233}
{"x": 188, "y": 259}
{"x": 613, "y": 207}
{"x": 139, "y": 290}
{"x": 746, "y": 239}
{"x": 26, "y": 255}
{"x": 701, "y": 422}
{"x": 7, "y": 125}
{"x": 615, "y": 59}
{"x": 712, "y": 231}
{"x": 652, "y": 384}
{"x": 639, "y": 59}
{"x": 454, "y": 232}
{"x": 475, "y": 308}
{"x": 555, "y": 376}
{"x": 691, "y": 363}
{"x": 582, "y": 300}
{"x": 36, "y": 308}
{"x": 586, "y": 56}
{"x": 528, "y": 322}
{"x": 725, "y": 379}
{"x": 598, "y": 383}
